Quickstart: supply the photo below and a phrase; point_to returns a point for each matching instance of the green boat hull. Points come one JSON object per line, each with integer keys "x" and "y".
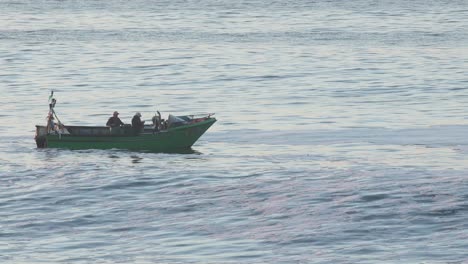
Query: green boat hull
{"x": 174, "y": 139}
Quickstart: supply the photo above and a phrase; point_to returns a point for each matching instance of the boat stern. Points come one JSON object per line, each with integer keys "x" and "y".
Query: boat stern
{"x": 40, "y": 137}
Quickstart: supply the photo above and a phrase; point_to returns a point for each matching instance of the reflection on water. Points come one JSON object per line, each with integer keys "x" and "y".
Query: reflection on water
{"x": 136, "y": 159}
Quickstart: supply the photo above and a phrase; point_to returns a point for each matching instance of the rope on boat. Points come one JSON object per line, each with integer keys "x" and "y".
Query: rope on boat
{"x": 60, "y": 126}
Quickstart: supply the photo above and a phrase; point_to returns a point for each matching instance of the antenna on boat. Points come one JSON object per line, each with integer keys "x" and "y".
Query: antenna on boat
{"x": 52, "y": 113}
{"x": 52, "y": 100}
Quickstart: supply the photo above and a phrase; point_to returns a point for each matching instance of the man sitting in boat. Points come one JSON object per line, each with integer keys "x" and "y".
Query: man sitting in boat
{"x": 114, "y": 121}
{"x": 137, "y": 124}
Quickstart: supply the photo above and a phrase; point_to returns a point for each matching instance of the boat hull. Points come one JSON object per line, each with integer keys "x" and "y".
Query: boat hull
{"x": 174, "y": 139}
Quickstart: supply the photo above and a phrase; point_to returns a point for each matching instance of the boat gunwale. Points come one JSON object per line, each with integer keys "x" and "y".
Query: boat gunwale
{"x": 145, "y": 132}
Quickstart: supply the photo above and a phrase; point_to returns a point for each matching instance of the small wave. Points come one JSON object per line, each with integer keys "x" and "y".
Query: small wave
{"x": 374, "y": 197}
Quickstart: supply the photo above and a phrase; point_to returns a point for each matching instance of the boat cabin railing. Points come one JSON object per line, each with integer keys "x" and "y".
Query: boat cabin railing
{"x": 125, "y": 130}
{"x": 92, "y": 131}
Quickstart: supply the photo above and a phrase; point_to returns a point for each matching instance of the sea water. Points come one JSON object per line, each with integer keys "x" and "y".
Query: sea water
{"x": 341, "y": 135}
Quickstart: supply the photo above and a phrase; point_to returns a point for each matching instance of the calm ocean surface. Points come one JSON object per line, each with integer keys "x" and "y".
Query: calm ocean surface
{"x": 341, "y": 135}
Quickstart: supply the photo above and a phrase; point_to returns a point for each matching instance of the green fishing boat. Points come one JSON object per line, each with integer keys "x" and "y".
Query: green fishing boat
{"x": 176, "y": 133}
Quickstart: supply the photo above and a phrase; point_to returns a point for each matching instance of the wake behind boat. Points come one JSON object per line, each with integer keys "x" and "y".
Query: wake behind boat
{"x": 177, "y": 133}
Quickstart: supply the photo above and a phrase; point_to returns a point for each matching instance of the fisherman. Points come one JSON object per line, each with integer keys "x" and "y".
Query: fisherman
{"x": 114, "y": 120}
{"x": 137, "y": 124}
{"x": 156, "y": 121}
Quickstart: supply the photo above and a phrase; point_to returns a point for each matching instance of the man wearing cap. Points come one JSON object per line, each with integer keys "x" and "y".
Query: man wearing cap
{"x": 137, "y": 124}
{"x": 114, "y": 121}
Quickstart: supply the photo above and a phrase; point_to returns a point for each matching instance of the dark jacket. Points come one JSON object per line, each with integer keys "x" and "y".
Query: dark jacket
{"x": 137, "y": 124}
{"x": 114, "y": 121}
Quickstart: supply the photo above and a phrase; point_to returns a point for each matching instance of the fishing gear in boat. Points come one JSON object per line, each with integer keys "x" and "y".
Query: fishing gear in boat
{"x": 52, "y": 127}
